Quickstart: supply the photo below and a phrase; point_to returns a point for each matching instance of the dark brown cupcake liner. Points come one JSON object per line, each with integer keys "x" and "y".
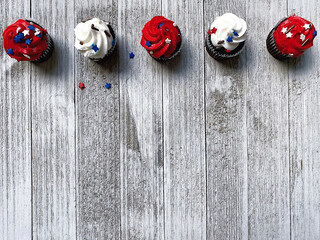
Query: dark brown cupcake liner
{"x": 220, "y": 53}
{"x": 46, "y": 54}
{"x": 111, "y": 50}
{"x": 271, "y": 44}
{"x": 174, "y": 54}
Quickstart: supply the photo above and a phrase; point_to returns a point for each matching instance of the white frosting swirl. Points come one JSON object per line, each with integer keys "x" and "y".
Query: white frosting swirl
{"x": 226, "y": 28}
{"x": 93, "y": 38}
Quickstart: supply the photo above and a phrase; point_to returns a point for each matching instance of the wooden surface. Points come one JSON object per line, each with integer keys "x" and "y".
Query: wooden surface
{"x": 188, "y": 149}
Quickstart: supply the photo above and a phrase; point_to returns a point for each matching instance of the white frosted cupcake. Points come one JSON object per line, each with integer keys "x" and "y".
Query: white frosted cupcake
{"x": 95, "y": 39}
{"x": 226, "y": 36}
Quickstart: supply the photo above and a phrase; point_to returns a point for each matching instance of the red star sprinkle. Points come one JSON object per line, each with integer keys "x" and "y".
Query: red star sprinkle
{"x": 228, "y": 51}
{"x": 209, "y": 32}
{"x": 81, "y": 85}
{"x": 213, "y": 30}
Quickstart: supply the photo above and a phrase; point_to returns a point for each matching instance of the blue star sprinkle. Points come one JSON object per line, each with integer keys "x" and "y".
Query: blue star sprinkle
{"x": 39, "y": 35}
{"x": 160, "y": 25}
{"x": 148, "y": 43}
{"x": 18, "y": 38}
{"x": 94, "y": 47}
{"x": 10, "y": 51}
{"x": 131, "y": 55}
{"x": 235, "y": 33}
{"x": 229, "y": 39}
{"x": 31, "y": 27}
{"x": 108, "y": 85}
{"x": 113, "y": 42}
{"x": 314, "y": 33}
{"x": 28, "y": 41}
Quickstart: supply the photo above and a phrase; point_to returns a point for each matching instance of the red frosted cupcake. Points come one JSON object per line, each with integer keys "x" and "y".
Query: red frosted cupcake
{"x": 291, "y": 38}
{"x": 25, "y": 40}
{"x": 161, "y": 38}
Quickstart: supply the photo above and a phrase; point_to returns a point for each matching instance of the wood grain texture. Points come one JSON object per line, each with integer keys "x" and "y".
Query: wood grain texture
{"x": 15, "y": 135}
{"x": 304, "y": 103}
{"x": 184, "y": 127}
{"x": 141, "y": 134}
{"x": 227, "y": 199}
{"x": 98, "y": 149}
{"x": 53, "y": 126}
{"x": 267, "y": 124}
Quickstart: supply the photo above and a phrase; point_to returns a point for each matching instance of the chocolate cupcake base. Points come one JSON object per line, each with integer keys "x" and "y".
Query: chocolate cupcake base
{"x": 47, "y": 53}
{"x": 220, "y": 53}
{"x": 271, "y": 44}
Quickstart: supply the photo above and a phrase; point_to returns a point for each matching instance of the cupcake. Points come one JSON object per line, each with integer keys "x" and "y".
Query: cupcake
{"x": 95, "y": 39}
{"x": 161, "y": 38}
{"x": 290, "y": 38}
{"x": 26, "y": 40}
{"x": 226, "y": 36}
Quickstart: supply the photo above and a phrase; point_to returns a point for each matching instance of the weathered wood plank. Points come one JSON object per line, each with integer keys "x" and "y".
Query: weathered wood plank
{"x": 53, "y": 126}
{"x": 267, "y": 123}
{"x": 141, "y": 142}
{"x": 15, "y": 134}
{"x": 98, "y": 149}
{"x": 184, "y": 126}
{"x": 227, "y": 199}
{"x": 304, "y": 92}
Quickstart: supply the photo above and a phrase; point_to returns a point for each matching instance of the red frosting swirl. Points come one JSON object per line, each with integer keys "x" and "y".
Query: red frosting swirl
{"x": 294, "y": 36}
{"x": 160, "y": 37}
{"x": 24, "y": 40}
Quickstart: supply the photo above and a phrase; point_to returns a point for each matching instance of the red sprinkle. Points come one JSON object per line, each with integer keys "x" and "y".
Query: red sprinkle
{"x": 81, "y": 85}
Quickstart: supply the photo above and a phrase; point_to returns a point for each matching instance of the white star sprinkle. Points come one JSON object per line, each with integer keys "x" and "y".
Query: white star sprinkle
{"x": 168, "y": 41}
{"x": 302, "y": 37}
{"x": 37, "y": 31}
{"x": 289, "y": 35}
{"x": 284, "y": 30}
{"x": 306, "y": 26}
{"x": 25, "y": 32}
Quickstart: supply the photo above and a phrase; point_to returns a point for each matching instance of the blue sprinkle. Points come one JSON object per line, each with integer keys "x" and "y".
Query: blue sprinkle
{"x": 10, "y": 51}
{"x": 160, "y": 25}
{"x": 229, "y": 39}
{"x": 113, "y": 42}
{"x": 18, "y": 38}
{"x": 148, "y": 43}
{"x": 179, "y": 32}
{"x": 235, "y": 33}
{"x": 95, "y": 47}
{"x": 131, "y": 55}
{"x": 108, "y": 85}
{"x": 39, "y": 35}
{"x": 31, "y": 27}
{"x": 28, "y": 41}
{"x": 314, "y": 33}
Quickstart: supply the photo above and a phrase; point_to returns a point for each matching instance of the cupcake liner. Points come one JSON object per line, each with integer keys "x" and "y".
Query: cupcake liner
{"x": 220, "y": 54}
{"x": 50, "y": 47}
{"x": 175, "y": 53}
{"x": 271, "y": 44}
{"x": 111, "y": 50}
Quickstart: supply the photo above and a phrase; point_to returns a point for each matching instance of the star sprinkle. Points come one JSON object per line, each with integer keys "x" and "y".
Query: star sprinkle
{"x": 18, "y": 38}
{"x": 230, "y": 39}
{"x": 306, "y": 26}
{"x": 10, "y": 51}
{"x": 95, "y": 47}
{"x": 160, "y": 25}
{"x": 37, "y": 32}
{"x": 168, "y": 41}
{"x": 235, "y": 33}
{"x": 113, "y": 42}
{"x": 81, "y": 85}
{"x": 302, "y": 37}
{"x": 28, "y": 41}
{"x": 314, "y": 33}
{"x": 228, "y": 51}
{"x": 284, "y": 30}
{"x": 289, "y": 35}
{"x": 131, "y": 55}
{"x": 32, "y": 28}
{"x": 108, "y": 85}
{"x": 39, "y": 35}
{"x": 25, "y": 32}
{"x": 148, "y": 43}
{"x": 213, "y": 30}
